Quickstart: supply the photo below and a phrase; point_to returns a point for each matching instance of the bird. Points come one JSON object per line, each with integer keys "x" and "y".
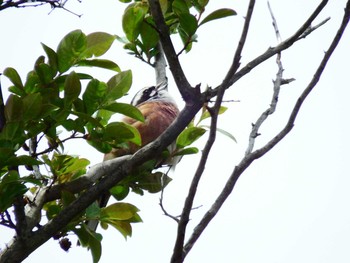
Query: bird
{"x": 159, "y": 110}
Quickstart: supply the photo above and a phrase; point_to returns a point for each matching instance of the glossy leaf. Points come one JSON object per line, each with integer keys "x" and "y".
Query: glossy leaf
{"x": 93, "y": 95}
{"x": 226, "y": 133}
{"x": 23, "y": 160}
{"x": 125, "y": 109}
{"x": 118, "y": 211}
{"x": 119, "y": 85}
{"x": 188, "y": 24}
{"x": 100, "y": 63}
{"x": 45, "y": 73}
{"x": 154, "y": 182}
{"x": 32, "y": 105}
{"x": 100, "y": 146}
{"x": 180, "y": 7}
{"x": 206, "y": 114}
{"x": 98, "y": 43}
{"x": 93, "y": 211}
{"x": 52, "y": 56}
{"x": 119, "y": 192}
{"x": 70, "y": 49}
{"x": 32, "y": 82}
{"x": 10, "y": 188}
{"x": 14, "y": 108}
{"x": 132, "y": 19}
{"x": 72, "y": 88}
{"x": 188, "y": 136}
{"x": 217, "y": 14}
{"x": 121, "y": 131}
{"x": 187, "y": 151}
{"x": 149, "y": 35}
{"x": 13, "y": 75}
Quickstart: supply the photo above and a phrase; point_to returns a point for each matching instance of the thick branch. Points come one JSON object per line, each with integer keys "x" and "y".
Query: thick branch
{"x": 188, "y": 93}
{"x": 19, "y": 249}
{"x": 248, "y": 159}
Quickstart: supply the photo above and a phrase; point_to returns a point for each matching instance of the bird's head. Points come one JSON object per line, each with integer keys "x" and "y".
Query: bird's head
{"x": 153, "y": 93}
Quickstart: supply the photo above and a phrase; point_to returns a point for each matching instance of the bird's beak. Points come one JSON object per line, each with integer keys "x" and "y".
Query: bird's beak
{"x": 162, "y": 86}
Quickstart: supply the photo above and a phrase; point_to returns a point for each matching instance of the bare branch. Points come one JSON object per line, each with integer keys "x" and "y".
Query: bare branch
{"x": 248, "y": 159}
{"x": 276, "y": 90}
{"x": 274, "y": 24}
{"x": 238, "y": 54}
{"x": 232, "y": 78}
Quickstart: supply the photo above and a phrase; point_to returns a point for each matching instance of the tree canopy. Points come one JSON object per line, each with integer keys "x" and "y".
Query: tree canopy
{"x": 58, "y": 102}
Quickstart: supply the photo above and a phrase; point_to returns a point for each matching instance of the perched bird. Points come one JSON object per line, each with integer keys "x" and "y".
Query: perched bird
{"x": 159, "y": 110}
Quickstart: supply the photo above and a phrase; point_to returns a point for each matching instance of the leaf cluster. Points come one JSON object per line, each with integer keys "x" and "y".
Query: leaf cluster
{"x": 182, "y": 17}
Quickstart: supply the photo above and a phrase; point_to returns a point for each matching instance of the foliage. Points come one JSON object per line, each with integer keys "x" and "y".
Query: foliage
{"x": 58, "y": 102}
{"x": 183, "y": 18}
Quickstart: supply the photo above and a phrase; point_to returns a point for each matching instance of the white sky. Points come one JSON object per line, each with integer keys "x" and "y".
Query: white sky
{"x": 292, "y": 204}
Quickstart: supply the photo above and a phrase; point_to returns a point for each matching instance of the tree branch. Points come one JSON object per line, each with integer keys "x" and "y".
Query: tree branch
{"x": 188, "y": 93}
{"x": 232, "y": 78}
{"x": 248, "y": 159}
{"x": 116, "y": 170}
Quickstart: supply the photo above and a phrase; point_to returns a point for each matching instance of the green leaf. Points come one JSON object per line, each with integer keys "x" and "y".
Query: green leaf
{"x": 14, "y": 132}
{"x": 149, "y": 35}
{"x": 187, "y": 151}
{"x": 119, "y": 85}
{"x": 72, "y": 88}
{"x": 13, "y": 75}
{"x": 180, "y": 7}
{"x": 90, "y": 239}
{"x": 32, "y": 82}
{"x": 188, "y": 24}
{"x": 119, "y": 192}
{"x": 118, "y": 211}
{"x": 94, "y": 95}
{"x": 70, "y": 49}
{"x": 5, "y": 154}
{"x": 52, "y": 211}
{"x": 10, "y": 188}
{"x": 154, "y": 182}
{"x": 206, "y": 114}
{"x": 122, "y": 132}
{"x": 217, "y": 14}
{"x": 14, "y": 108}
{"x": 132, "y": 19}
{"x": 226, "y": 133}
{"x": 126, "y": 109}
{"x": 23, "y": 160}
{"x": 45, "y": 73}
{"x": 188, "y": 136}
{"x": 53, "y": 60}
{"x": 124, "y": 227}
{"x": 100, "y": 63}
{"x": 77, "y": 165}
{"x": 93, "y": 211}
{"x": 32, "y": 105}
{"x": 96, "y": 248}
{"x": 100, "y": 146}
{"x": 98, "y": 43}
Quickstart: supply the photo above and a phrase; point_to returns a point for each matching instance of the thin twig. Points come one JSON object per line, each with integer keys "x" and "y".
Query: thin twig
{"x": 231, "y": 78}
{"x": 276, "y": 90}
{"x": 274, "y": 24}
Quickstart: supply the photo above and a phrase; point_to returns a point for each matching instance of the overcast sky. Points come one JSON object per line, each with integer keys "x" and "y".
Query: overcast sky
{"x": 292, "y": 205}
